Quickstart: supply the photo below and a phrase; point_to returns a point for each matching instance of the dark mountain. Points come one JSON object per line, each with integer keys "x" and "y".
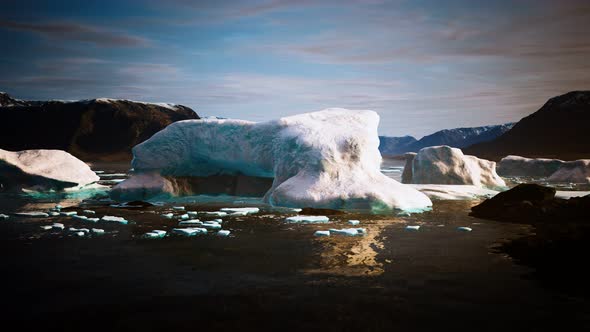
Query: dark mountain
{"x": 92, "y": 130}
{"x": 560, "y": 129}
{"x": 458, "y": 138}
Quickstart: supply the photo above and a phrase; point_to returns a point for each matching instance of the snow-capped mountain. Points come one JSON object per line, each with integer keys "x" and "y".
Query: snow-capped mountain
{"x": 458, "y": 138}
{"x": 94, "y": 129}
{"x": 558, "y": 130}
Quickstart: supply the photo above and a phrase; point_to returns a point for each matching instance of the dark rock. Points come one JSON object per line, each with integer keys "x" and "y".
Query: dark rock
{"x": 318, "y": 212}
{"x": 92, "y": 130}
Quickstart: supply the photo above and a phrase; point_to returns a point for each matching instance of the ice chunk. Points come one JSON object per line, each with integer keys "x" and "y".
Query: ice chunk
{"x": 93, "y": 219}
{"x": 58, "y": 207}
{"x": 155, "y": 234}
{"x": 120, "y": 220}
{"x": 446, "y": 165}
{"x": 97, "y": 231}
{"x": 190, "y": 222}
{"x": 192, "y": 213}
{"x": 43, "y": 170}
{"x": 75, "y": 216}
{"x": 246, "y": 210}
{"x": 47, "y": 228}
{"x": 327, "y": 159}
{"x": 53, "y": 213}
{"x": 190, "y": 231}
{"x": 57, "y": 226}
{"x": 413, "y": 227}
{"x": 454, "y": 192}
{"x": 68, "y": 213}
{"x": 3, "y": 216}
{"x": 34, "y": 214}
{"x": 218, "y": 221}
{"x": 214, "y": 213}
{"x": 348, "y": 231}
{"x": 521, "y": 166}
{"x": 577, "y": 171}
{"x": 464, "y": 229}
{"x": 178, "y": 208}
{"x": 307, "y": 219}
{"x": 168, "y": 215}
{"x": 211, "y": 225}
{"x": 89, "y": 212}
{"x": 80, "y": 233}
{"x": 184, "y": 216}
{"x": 354, "y": 222}
{"x": 223, "y": 232}
{"x": 322, "y": 233}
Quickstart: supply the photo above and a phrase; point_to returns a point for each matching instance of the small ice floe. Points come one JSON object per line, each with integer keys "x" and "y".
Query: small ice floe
{"x": 211, "y": 225}
{"x": 155, "y": 234}
{"x": 57, "y": 226}
{"x": 3, "y": 216}
{"x": 464, "y": 229}
{"x": 89, "y": 212}
{"x": 178, "y": 208}
{"x": 98, "y": 172}
{"x": 321, "y": 233}
{"x": 80, "y": 234}
{"x": 79, "y": 230}
{"x": 68, "y": 213}
{"x": 34, "y": 214}
{"x": 79, "y": 217}
{"x": 168, "y": 215}
{"x": 92, "y": 219}
{"x": 412, "y": 227}
{"x": 97, "y": 231}
{"x": 214, "y": 213}
{"x": 307, "y": 219}
{"x": 47, "y": 228}
{"x": 53, "y": 213}
{"x": 191, "y": 222}
{"x": 223, "y": 232}
{"x": 120, "y": 220}
{"x": 192, "y": 213}
{"x": 184, "y": 216}
{"x": 404, "y": 214}
{"x": 190, "y": 231}
{"x": 348, "y": 231}
{"x": 219, "y": 221}
{"x": 58, "y": 207}
{"x": 354, "y": 222}
{"x": 240, "y": 211}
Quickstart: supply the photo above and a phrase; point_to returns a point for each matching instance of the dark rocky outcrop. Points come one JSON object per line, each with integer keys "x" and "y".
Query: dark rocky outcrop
{"x": 92, "y": 130}
{"x": 558, "y": 130}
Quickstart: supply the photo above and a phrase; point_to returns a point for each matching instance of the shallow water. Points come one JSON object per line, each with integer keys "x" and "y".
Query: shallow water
{"x": 269, "y": 274}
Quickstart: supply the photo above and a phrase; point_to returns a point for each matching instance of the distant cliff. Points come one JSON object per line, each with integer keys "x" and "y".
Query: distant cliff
{"x": 92, "y": 130}
{"x": 458, "y": 138}
{"x": 560, "y": 129}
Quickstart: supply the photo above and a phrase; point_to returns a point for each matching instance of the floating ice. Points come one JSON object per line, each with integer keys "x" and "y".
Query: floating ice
{"x": 246, "y": 210}
{"x": 89, "y": 212}
{"x": 354, "y": 222}
{"x": 321, "y": 233}
{"x": 93, "y": 219}
{"x": 68, "y": 213}
{"x": 53, "y": 213}
{"x": 413, "y": 228}
{"x": 307, "y": 219}
{"x": 168, "y": 215}
{"x": 326, "y": 159}
{"x": 58, "y": 226}
{"x": 521, "y": 166}
{"x": 97, "y": 231}
{"x": 184, "y": 216}
{"x": 112, "y": 175}
{"x": 178, "y": 208}
{"x": 464, "y": 229}
{"x": 210, "y": 225}
{"x": 74, "y": 230}
{"x": 3, "y": 216}
{"x": 75, "y": 216}
{"x": 454, "y": 192}
{"x": 215, "y": 213}
{"x": 192, "y": 213}
{"x": 223, "y": 232}
{"x": 120, "y": 220}
{"x": 190, "y": 222}
{"x": 155, "y": 234}
{"x": 58, "y": 207}
{"x": 34, "y": 214}
{"x": 191, "y": 231}
{"x": 348, "y": 231}
{"x": 47, "y": 227}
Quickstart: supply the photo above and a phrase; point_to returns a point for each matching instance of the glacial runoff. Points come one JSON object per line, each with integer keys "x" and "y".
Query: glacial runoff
{"x": 325, "y": 159}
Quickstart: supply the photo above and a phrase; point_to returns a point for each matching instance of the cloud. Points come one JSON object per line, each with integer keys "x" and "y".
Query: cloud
{"x": 69, "y": 31}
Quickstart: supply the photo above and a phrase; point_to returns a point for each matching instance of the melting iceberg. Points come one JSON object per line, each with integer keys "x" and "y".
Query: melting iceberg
{"x": 326, "y": 159}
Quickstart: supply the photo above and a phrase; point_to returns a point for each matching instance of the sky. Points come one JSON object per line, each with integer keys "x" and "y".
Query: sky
{"x": 423, "y": 65}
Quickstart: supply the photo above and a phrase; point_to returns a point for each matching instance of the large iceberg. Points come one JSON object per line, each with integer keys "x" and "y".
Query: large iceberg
{"x": 521, "y": 166}
{"x": 326, "y": 159}
{"x": 446, "y": 165}
{"x": 43, "y": 170}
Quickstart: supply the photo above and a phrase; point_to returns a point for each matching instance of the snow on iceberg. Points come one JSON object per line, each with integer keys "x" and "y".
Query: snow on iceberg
{"x": 43, "y": 170}
{"x": 446, "y": 165}
{"x": 326, "y": 159}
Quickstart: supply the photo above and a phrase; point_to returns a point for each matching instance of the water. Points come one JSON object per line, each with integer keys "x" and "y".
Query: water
{"x": 272, "y": 275}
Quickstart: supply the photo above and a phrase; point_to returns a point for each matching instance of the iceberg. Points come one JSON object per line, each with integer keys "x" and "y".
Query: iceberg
{"x": 521, "y": 166}
{"x": 43, "y": 170}
{"x": 325, "y": 159}
{"x": 446, "y": 165}
{"x": 577, "y": 171}
{"x": 307, "y": 219}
